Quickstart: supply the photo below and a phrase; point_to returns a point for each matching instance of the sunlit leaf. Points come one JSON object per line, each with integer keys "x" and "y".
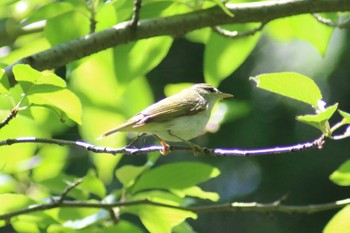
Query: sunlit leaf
{"x": 292, "y": 85}
{"x": 12, "y": 202}
{"x": 31, "y": 77}
{"x": 159, "y": 219}
{"x": 128, "y": 173}
{"x": 128, "y": 62}
{"x": 223, "y": 55}
{"x": 176, "y": 176}
{"x": 346, "y": 116}
{"x": 340, "y": 222}
{"x": 63, "y": 100}
{"x": 67, "y": 26}
{"x": 4, "y": 82}
{"x": 196, "y": 191}
{"x": 312, "y": 31}
{"x": 49, "y": 11}
{"x": 320, "y": 120}
{"x": 341, "y": 176}
{"x": 93, "y": 185}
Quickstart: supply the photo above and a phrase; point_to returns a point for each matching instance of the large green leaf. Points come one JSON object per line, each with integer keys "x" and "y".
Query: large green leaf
{"x": 292, "y": 85}
{"x": 12, "y": 202}
{"x": 62, "y": 100}
{"x": 67, "y": 26}
{"x": 29, "y": 78}
{"x": 93, "y": 185}
{"x": 223, "y": 55}
{"x": 175, "y": 176}
{"x": 340, "y": 222}
{"x": 341, "y": 176}
{"x": 136, "y": 59}
{"x": 159, "y": 219}
{"x": 303, "y": 27}
{"x": 128, "y": 174}
{"x": 49, "y": 11}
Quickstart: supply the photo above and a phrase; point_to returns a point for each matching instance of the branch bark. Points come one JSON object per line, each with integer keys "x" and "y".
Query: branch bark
{"x": 318, "y": 143}
{"x": 233, "y": 207}
{"x": 177, "y": 25}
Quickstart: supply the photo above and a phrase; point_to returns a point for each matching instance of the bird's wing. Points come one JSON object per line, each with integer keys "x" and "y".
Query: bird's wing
{"x": 160, "y": 111}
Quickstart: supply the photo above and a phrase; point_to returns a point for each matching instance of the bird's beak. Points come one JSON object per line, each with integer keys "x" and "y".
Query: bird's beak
{"x": 225, "y": 95}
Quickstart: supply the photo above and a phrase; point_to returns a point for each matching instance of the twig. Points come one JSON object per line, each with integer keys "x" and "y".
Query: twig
{"x": 318, "y": 143}
{"x": 234, "y": 206}
{"x": 330, "y": 23}
{"x": 136, "y": 14}
{"x": 68, "y": 189}
{"x": 236, "y": 34}
{"x": 13, "y": 114}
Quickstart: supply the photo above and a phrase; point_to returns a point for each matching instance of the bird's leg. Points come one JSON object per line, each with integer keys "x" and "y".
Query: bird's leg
{"x": 166, "y": 146}
{"x": 135, "y": 139}
{"x": 197, "y": 150}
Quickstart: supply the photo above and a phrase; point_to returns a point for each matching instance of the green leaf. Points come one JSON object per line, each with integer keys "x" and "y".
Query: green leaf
{"x": 128, "y": 174}
{"x": 93, "y": 185}
{"x": 60, "y": 100}
{"x": 29, "y": 78}
{"x": 175, "y": 176}
{"x": 292, "y": 85}
{"x": 12, "y": 202}
{"x": 4, "y": 82}
{"x": 58, "y": 184}
{"x": 67, "y": 26}
{"x": 341, "y": 176}
{"x": 223, "y": 55}
{"x": 346, "y": 116}
{"x": 159, "y": 219}
{"x": 154, "y": 49}
{"x": 303, "y": 27}
{"x": 320, "y": 120}
{"x": 49, "y": 11}
{"x": 196, "y": 191}
{"x": 340, "y": 222}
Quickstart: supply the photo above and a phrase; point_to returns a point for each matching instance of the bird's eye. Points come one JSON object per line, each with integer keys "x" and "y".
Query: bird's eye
{"x": 211, "y": 89}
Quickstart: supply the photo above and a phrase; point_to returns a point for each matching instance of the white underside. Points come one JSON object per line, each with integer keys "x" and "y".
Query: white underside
{"x": 185, "y": 127}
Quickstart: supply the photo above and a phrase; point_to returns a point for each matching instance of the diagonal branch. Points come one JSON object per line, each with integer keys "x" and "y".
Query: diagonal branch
{"x": 265, "y": 11}
{"x": 318, "y": 143}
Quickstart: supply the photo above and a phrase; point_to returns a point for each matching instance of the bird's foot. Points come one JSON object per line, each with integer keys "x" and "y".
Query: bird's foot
{"x": 166, "y": 148}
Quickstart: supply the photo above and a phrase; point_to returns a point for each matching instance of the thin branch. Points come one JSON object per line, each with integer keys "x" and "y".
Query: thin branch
{"x": 13, "y": 114}
{"x": 330, "y": 23}
{"x": 234, "y": 207}
{"x": 236, "y": 34}
{"x": 318, "y": 143}
{"x": 136, "y": 14}
{"x": 264, "y": 11}
{"x": 68, "y": 189}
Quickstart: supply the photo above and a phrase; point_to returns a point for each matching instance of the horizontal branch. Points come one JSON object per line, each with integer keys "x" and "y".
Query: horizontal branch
{"x": 233, "y": 207}
{"x": 175, "y": 26}
{"x": 318, "y": 143}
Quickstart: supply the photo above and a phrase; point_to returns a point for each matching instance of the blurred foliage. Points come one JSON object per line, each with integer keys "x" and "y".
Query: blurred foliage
{"x": 295, "y": 57}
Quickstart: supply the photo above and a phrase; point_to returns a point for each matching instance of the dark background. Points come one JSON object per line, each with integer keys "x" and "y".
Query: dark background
{"x": 267, "y": 120}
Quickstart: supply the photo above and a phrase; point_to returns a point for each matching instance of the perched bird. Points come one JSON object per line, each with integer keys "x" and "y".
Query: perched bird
{"x": 180, "y": 117}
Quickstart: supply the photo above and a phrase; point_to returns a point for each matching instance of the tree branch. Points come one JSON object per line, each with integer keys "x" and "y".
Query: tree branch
{"x": 174, "y": 25}
{"x": 318, "y": 143}
{"x": 233, "y": 207}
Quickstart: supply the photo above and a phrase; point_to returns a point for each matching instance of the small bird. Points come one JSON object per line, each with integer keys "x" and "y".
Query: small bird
{"x": 179, "y": 117}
